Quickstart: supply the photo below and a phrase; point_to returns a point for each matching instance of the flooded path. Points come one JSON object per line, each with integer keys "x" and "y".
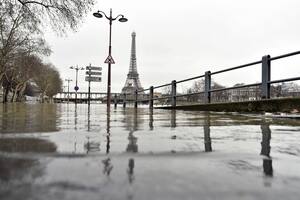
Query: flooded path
{"x": 63, "y": 151}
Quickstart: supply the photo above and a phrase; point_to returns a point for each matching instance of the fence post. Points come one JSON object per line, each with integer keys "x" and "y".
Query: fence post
{"x": 207, "y": 87}
{"x": 173, "y": 93}
{"x": 136, "y": 99}
{"x": 151, "y": 98}
{"x": 266, "y": 77}
{"x": 124, "y": 100}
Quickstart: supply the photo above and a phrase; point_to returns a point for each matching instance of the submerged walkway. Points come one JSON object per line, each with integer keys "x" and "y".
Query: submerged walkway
{"x": 71, "y": 152}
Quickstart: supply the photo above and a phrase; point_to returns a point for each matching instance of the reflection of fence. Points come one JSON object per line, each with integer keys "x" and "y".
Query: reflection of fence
{"x": 266, "y": 89}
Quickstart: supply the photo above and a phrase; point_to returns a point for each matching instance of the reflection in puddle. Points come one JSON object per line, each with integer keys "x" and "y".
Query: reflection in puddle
{"x": 91, "y": 146}
{"x": 132, "y": 126}
{"x": 132, "y": 145}
{"x": 130, "y": 170}
{"x": 107, "y": 131}
{"x": 151, "y": 119}
{"x": 127, "y": 154}
{"x": 24, "y": 118}
{"x": 207, "y": 139}
{"x": 24, "y": 145}
{"x": 107, "y": 166}
{"x": 18, "y": 168}
{"x": 266, "y": 149}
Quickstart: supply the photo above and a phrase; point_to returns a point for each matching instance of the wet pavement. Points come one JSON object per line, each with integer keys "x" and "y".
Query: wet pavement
{"x": 63, "y": 151}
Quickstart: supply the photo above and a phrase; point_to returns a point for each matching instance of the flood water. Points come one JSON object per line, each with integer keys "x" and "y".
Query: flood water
{"x": 63, "y": 151}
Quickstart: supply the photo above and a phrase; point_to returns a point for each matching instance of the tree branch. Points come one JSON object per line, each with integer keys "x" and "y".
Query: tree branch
{"x": 35, "y": 2}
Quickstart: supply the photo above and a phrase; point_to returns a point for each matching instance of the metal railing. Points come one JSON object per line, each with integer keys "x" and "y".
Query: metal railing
{"x": 262, "y": 89}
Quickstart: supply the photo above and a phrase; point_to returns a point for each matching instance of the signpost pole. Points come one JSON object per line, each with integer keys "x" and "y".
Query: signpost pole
{"x": 89, "y": 94}
{"x": 76, "y": 84}
{"x": 93, "y": 75}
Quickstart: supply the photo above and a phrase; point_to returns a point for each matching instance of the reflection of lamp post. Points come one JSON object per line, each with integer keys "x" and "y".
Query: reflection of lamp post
{"x": 68, "y": 80}
{"x": 109, "y": 60}
{"x": 76, "y": 88}
{"x": 64, "y": 87}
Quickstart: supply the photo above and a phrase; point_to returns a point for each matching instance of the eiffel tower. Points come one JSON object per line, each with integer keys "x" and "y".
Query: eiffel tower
{"x": 132, "y": 82}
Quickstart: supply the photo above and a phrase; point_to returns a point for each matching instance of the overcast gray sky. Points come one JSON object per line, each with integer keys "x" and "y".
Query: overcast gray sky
{"x": 180, "y": 39}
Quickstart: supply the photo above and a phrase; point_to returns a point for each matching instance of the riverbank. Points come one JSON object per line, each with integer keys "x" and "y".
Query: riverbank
{"x": 287, "y": 105}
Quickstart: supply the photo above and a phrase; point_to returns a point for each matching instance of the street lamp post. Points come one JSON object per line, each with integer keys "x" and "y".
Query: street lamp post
{"x": 76, "y": 88}
{"x": 109, "y": 60}
{"x": 68, "y": 80}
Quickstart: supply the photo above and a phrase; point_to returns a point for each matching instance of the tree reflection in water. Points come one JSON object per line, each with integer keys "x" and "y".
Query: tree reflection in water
{"x": 14, "y": 171}
{"x": 19, "y": 173}
{"x": 27, "y": 118}
{"x": 25, "y": 145}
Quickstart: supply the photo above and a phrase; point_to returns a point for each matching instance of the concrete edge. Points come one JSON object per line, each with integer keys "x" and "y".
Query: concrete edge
{"x": 290, "y": 105}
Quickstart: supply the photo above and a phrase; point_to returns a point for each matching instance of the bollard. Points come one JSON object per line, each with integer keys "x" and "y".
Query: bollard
{"x": 173, "y": 93}
{"x": 136, "y": 99}
{"x": 207, "y": 87}
{"x": 266, "y": 77}
{"x": 151, "y": 98}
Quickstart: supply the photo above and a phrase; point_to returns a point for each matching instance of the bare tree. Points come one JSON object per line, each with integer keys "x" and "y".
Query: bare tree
{"x": 21, "y": 24}
{"x": 198, "y": 86}
{"x": 56, "y": 83}
{"x": 167, "y": 90}
{"x": 48, "y": 81}
{"x": 218, "y": 96}
{"x": 19, "y": 34}
{"x": 289, "y": 89}
{"x": 24, "y": 68}
{"x": 61, "y": 14}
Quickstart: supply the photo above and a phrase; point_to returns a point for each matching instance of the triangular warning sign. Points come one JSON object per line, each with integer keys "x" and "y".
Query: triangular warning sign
{"x": 110, "y": 60}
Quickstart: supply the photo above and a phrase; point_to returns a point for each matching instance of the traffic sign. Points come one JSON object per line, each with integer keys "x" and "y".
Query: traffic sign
{"x": 93, "y": 68}
{"x": 93, "y": 79}
{"x": 93, "y": 73}
{"x": 110, "y": 60}
{"x": 76, "y": 88}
